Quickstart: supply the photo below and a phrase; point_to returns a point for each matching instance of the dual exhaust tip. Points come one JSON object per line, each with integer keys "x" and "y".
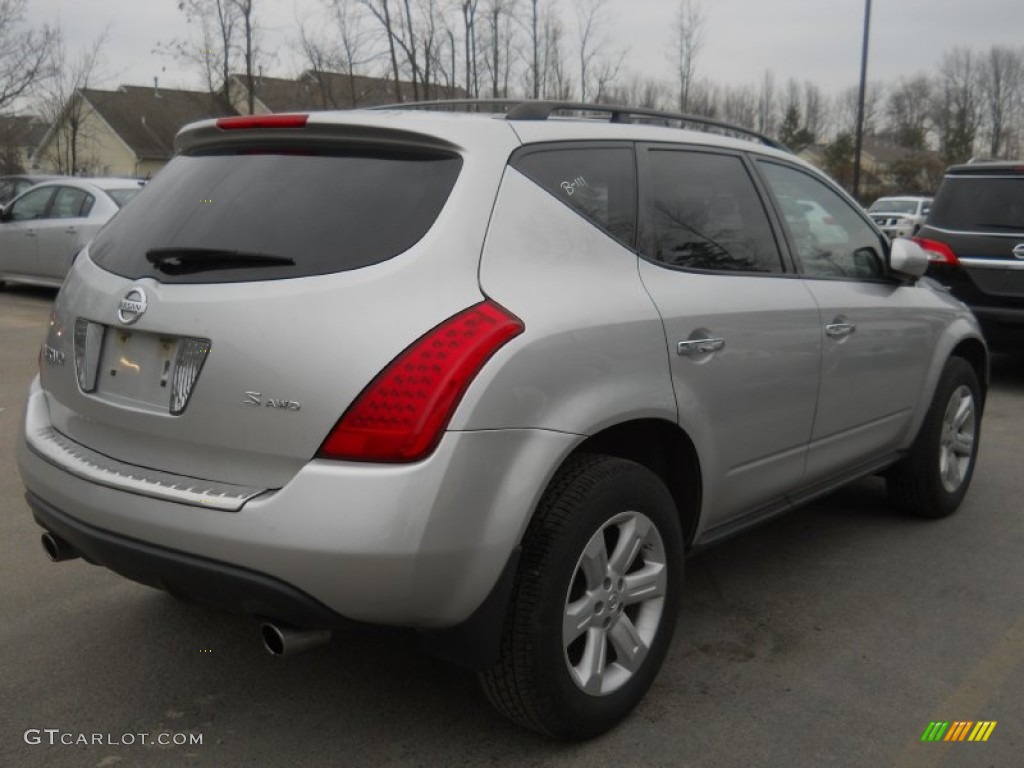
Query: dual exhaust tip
{"x": 278, "y": 639}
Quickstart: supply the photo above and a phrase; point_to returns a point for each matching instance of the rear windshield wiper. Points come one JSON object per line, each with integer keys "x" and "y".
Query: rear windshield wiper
{"x": 185, "y": 261}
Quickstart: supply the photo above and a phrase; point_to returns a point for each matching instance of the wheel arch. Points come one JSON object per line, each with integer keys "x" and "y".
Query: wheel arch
{"x": 974, "y": 352}
{"x": 665, "y": 449}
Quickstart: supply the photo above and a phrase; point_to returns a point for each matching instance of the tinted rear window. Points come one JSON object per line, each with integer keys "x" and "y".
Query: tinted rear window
{"x": 979, "y": 203}
{"x": 264, "y": 216}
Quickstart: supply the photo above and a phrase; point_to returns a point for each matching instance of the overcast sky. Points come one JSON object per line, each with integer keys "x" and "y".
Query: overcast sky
{"x": 817, "y": 40}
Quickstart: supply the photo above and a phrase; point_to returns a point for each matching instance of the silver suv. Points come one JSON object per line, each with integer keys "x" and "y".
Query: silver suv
{"x": 486, "y": 376}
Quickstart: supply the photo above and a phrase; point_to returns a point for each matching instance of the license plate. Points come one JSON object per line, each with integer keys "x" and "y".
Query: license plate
{"x": 137, "y": 367}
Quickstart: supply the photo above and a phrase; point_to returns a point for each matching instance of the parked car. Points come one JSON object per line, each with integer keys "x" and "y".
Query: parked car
{"x": 900, "y": 216}
{"x": 974, "y": 237}
{"x": 489, "y": 377}
{"x": 12, "y": 186}
{"x": 42, "y": 229}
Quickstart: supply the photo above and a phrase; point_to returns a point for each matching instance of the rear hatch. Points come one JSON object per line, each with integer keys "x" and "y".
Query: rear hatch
{"x": 223, "y": 322}
{"x": 975, "y": 234}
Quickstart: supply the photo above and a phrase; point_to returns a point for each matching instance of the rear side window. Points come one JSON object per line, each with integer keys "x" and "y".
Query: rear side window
{"x": 268, "y": 215}
{"x": 978, "y": 203}
{"x": 706, "y": 214}
{"x": 597, "y": 182}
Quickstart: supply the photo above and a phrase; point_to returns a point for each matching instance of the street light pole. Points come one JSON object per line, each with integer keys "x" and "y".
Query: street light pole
{"x": 859, "y": 141}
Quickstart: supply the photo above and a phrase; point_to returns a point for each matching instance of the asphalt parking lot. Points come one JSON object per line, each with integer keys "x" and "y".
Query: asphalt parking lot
{"x": 830, "y": 637}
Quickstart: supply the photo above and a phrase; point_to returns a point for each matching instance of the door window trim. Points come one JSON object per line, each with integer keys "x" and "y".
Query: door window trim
{"x": 886, "y": 277}
{"x": 645, "y": 225}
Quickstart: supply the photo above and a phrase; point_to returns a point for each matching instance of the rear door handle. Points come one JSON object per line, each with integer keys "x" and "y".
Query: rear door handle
{"x": 698, "y": 347}
{"x": 71, "y": 230}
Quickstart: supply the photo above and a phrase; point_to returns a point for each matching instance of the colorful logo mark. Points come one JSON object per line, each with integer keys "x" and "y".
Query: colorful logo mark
{"x": 959, "y": 730}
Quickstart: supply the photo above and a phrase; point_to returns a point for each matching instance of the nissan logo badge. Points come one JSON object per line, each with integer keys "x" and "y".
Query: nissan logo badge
{"x": 1018, "y": 251}
{"x": 132, "y": 306}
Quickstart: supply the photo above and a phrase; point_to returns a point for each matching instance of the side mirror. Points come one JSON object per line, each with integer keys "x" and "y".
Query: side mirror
{"x": 907, "y": 258}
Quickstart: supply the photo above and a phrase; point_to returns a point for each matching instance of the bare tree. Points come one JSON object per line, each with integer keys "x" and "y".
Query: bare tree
{"x": 213, "y": 51}
{"x": 815, "y": 111}
{"x": 740, "y": 105}
{"x": 556, "y": 83}
{"x": 498, "y": 16}
{"x": 26, "y": 54}
{"x": 469, "y": 8}
{"x": 845, "y": 111}
{"x": 687, "y": 40}
{"x": 247, "y": 30}
{"x": 957, "y": 105}
{"x": 1001, "y": 73}
{"x": 593, "y": 46}
{"x": 908, "y": 110}
{"x": 64, "y": 104}
{"x": 766, "y": 106}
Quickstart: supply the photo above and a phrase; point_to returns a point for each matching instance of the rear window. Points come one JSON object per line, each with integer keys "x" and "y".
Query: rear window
{"x": 122, "y": 196}
{"x": 974, "y": 203}
{"x": 267, "y": 215}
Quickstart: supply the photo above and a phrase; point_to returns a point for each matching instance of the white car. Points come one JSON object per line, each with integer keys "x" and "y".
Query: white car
{"x": 900, "y": 216}
{"x": 43, "y": 228}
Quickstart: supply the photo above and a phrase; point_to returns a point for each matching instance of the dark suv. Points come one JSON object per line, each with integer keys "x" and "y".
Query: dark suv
{"x": 974, "y": 237}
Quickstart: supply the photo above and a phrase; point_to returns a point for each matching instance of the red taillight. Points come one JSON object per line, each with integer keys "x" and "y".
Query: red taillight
{"x": 939, "y": 252}
{"x": 245, "y": 122}
{"x": 401, "y": 414}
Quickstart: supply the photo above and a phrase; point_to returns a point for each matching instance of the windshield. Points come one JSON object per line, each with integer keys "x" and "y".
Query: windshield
{"x": 894, "y": 206}
{"x": 264, "y": 215}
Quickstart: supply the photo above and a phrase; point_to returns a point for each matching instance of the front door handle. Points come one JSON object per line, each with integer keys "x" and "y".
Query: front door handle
{"x": 698, "y": 347}
{"x": 839, "y": 329}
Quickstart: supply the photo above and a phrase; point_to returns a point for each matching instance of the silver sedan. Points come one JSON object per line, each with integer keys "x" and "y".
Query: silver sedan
{"x": 43, "y": 229}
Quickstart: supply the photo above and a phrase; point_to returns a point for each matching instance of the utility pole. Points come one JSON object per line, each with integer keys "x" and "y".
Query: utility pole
{"x": 859, "y": 141}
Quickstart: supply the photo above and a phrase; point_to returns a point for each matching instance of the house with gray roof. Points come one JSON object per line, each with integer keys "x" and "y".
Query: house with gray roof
{"x": 125, "y": 132}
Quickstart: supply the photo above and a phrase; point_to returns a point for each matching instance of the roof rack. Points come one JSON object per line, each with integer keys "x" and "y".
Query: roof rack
{"x": 519, "y": 109}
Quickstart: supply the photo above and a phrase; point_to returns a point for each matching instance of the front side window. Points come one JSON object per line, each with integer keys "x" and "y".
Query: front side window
{"x": 706, "y": 214}
{"x": 597, "y": 182}
{"x": 32, "y": 205}
{"x": 829, "y": 236}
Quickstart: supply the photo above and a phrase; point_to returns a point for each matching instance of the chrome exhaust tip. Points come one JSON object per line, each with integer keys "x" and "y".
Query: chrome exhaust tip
{"x": 56, "y": 548}
{"x": 281, "y": 640}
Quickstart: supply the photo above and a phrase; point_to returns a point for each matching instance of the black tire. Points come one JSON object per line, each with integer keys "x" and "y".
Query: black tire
{"x": 534, "y": 682}
{"x": 933, "y": 478}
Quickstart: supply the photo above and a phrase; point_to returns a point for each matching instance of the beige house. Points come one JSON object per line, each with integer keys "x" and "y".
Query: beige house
{"x": 886, "y": 168}
{"x": 126, "y": 132}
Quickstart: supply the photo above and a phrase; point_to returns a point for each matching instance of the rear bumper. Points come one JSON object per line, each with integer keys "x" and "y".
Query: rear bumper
{"x": 418, "y": 545}
{"x": 207, "y": 581}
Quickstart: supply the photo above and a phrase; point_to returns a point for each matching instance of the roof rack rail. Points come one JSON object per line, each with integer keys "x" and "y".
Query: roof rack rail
{"x": 519, "y": 109}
